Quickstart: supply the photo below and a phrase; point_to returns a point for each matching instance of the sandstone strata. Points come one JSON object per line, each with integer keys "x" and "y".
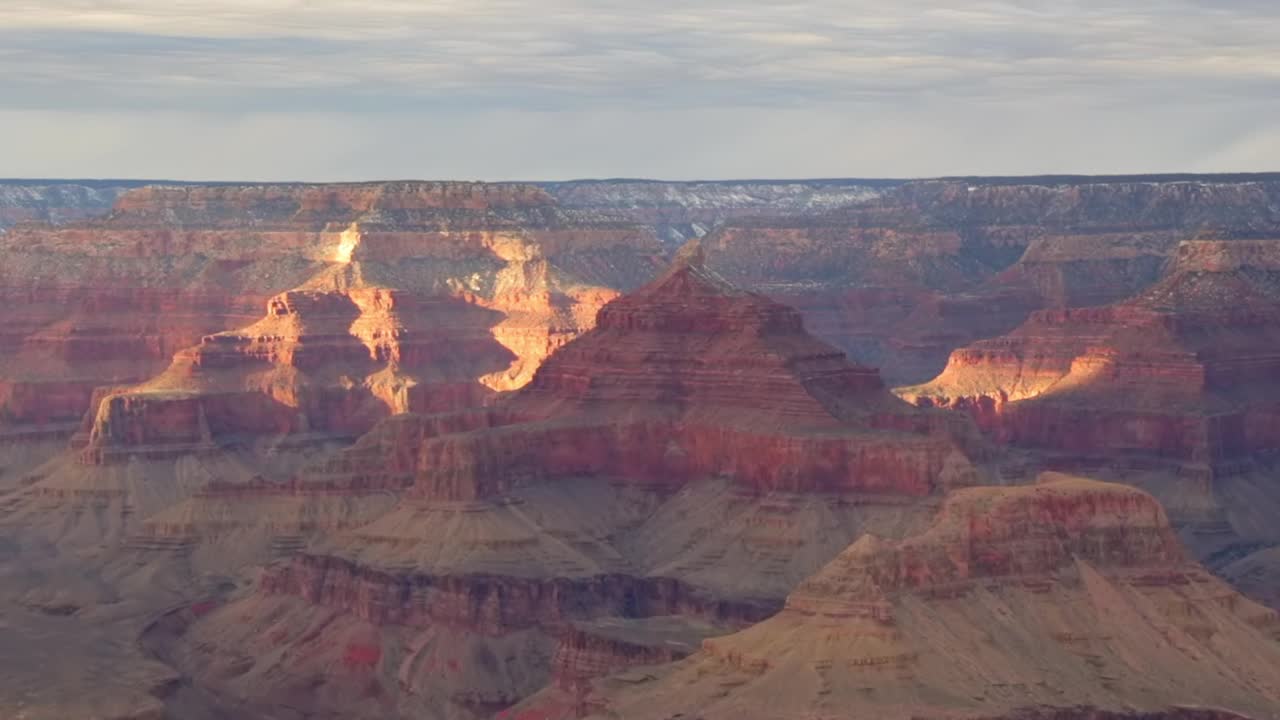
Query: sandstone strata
{"x": 1069, "y": 599}
{"x": 930, "y": 266}
{"x": 1174, "y": 388}
{"x": 695, "y": 454}
{"x": 379, "y": 299}
{"x": 498, "y": 266}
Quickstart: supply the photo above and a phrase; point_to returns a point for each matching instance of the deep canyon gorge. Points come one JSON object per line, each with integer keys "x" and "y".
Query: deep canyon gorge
{"x": 957, "y": 448}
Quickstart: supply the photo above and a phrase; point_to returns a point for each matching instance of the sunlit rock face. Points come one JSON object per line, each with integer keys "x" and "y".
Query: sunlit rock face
{"x": 1167, "y": 372}
{"x": 1065, "y": 599}
{"x": 347, "y": 304}
{"x": 1174, "y": 389}
{"x": 695, "y": 454}
{"x": 901, "y": 280}
{"x": 489, "y": 455}
{"x": 380, "y": 298}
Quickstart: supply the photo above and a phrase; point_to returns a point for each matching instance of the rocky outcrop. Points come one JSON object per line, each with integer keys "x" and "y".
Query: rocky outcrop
{"x": 1200, "y": 342}
{"x": 670, "y": 461}
{"x": 527, "y": 479}
{"x": 589, "y": 650}
{"x": 1069, "y": 598}
{"x": 690, "y": 377}
{"x": 1173, "y": 389}
{"x": 1183, "y": 371}
{"x": 421, "y": 297}
{"x": 494, "y": 605}
{"x": 929, "y": 266}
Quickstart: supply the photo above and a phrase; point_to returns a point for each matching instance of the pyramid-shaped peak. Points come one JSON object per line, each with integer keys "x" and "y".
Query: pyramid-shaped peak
{"x": 690, "y": 254}
{"x": 691, "y": 343}
{"x": 688, "y": 274}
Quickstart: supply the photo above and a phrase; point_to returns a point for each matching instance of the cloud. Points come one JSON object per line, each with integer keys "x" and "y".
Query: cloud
{"x": 228, "y": 65}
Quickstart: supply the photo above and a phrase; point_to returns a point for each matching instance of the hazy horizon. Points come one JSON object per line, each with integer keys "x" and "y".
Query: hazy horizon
{"x": 1112, "y": 177}
{"x": 265, "y": 90}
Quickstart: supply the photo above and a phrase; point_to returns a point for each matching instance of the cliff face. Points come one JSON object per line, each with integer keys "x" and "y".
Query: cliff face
{"x": 930, "y": 266}
{"x": 676, "y": 382}
{"x": 694, "y": 454}
{"x": 682, "y": 211}
{"x": 352, "y": 302}
{"x": 1068, "y": 598}
{"x": 1198, "y": 347}
{"x": 56, "y": 203}
{"x": 405, "y": 296}
{"x": 554, "y": 483}
{"x": 897, "y": 274}
{"x": 1174, "y": 388}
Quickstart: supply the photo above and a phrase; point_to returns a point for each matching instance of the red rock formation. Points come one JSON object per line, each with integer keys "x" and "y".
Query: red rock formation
{"x": 903, "y": 279}
{"x": 1176, "y": 365}
{"x": 588, "y": 651}
{"x": 420, "y": 297}
{"x": 689, "y": 377}
{"x": 590, "y": 493}
{"x": 1069, "y": 598}
{"x": 1184, "y": 370}
{"x": 1174, "y": 389}
{"x": 591, "y": 650}
{"x": 493, "y": 605}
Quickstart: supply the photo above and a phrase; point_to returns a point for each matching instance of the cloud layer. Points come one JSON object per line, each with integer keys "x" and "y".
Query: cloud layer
{"x": 329, "y": 89}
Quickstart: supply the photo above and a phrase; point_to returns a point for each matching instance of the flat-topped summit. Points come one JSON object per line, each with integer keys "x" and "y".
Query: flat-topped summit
{"x": 1013, "y": 534}
{"x": 1068, "y": 599}
{"x": 310, "y": 204}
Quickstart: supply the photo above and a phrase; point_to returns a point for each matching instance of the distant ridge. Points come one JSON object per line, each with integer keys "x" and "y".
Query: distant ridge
{"x": 1048, "y": 179}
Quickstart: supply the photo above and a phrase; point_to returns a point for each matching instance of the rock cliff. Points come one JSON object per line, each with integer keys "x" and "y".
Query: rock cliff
{"x": 929, "y": 266}
{"x": 550, "y": 483}
{"x": 1174, "y": 389}
{"x": 57, "y": 202}
{"x": 683, "y": 211}
{"x": 172, "y": 266}
{"x": 379, "y": 299}
{"x": 695, "y": 454}
{"x": 1068, "y": 598}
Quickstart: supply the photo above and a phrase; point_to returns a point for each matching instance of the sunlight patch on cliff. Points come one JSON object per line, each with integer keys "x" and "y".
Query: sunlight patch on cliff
{"x": 347, "y": 243}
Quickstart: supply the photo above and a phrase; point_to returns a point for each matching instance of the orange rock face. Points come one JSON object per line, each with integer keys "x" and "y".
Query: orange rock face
{"x": 405, "y": 297}
{"x": 690, "y": 377}
{"x": 492, "y": 478}
{"x": 589, "y": 493}
{"x": 1186, "y": 370}
{"x": 1174, "y": 390}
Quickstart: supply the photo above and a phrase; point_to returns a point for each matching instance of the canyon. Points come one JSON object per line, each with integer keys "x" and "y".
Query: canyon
{"x": 632, "y": 480}
{"x": 1173, "y": 389}
{"x": 1068, "y": 598}
{"x": 475, "y": 450}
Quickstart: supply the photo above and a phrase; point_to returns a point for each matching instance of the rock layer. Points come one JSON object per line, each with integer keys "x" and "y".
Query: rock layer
{"x": 1068, "y": 598}
{"x": 415, "y": 297}
{"x": 929, "y": 266}
{"x": 694, "y": 454}
{"x": 1174, "y": 389}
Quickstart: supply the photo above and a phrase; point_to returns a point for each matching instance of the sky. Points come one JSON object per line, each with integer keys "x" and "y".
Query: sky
{"x": 692, "y": 89}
